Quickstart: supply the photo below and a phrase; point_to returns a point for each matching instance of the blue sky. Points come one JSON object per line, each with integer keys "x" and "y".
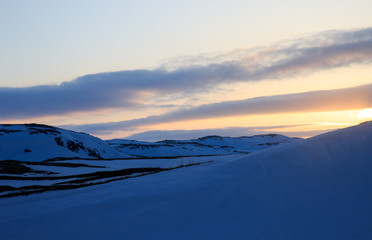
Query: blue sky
{"x": 68, "y": 62}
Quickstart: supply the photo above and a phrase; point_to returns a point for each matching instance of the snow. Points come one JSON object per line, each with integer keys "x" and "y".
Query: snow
{"x": 210, "y": 145}
{"x": 35, "y": 142}
{"x": 105, "y": 165}
{"x": 158, "y": 162}
{"x": 318, "y": 188}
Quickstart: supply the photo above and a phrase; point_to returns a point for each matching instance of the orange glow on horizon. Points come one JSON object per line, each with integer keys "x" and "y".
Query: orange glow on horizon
{"x": 313, "y": 123}
{"x": 365, "y": 114}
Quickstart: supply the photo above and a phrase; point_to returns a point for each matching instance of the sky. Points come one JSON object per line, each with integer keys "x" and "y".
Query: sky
{"x": 118, "y": 68}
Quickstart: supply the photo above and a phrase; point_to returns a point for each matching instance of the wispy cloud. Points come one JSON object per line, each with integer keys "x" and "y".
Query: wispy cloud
{"x": 315, "y": 101}
{"x": 124, "y": 89}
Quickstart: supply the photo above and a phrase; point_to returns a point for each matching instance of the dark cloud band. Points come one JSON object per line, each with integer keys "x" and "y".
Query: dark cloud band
{"x": 123, "y": 89}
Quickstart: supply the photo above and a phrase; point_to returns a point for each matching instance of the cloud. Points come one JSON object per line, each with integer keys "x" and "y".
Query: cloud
{"x": 124, "y": 89}
{"x": 315, "y": 101}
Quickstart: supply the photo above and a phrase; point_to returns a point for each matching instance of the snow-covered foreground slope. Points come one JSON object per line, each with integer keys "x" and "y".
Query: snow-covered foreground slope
{"x": 318, "y": 188}
{"x": 210, "y": 145}
{"x": 36, "y": 142}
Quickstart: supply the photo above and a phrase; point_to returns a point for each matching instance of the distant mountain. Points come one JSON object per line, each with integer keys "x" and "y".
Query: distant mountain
{"x": 158, "y": 135}
{"x": 209, "y": 145}
{"x": 37, "y": 142}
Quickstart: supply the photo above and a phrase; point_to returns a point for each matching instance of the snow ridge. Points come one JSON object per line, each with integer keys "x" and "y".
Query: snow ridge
{"x": 209, "y": 145}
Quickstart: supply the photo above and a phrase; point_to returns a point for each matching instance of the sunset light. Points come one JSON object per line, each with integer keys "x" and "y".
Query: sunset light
{"x": 123, "y": 68}
{"x": 187, "y": 119}
{"x": 365, "y": 114}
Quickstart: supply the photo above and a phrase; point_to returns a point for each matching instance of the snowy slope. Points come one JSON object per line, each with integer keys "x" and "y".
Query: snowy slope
{"x": 210, "y": 145}
{"x": 36, "y": 142}
{"x": 318, "y": 188}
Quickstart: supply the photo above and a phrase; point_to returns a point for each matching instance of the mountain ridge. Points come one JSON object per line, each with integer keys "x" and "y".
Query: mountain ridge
{"x": 208, "y": 145}
{"x": 40, "y": 142}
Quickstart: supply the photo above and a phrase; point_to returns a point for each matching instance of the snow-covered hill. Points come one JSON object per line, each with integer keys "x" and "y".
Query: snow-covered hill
{"x": 318, "y": 188}
{"x": 210, "y": 145}
{"x": 36, "y": 142}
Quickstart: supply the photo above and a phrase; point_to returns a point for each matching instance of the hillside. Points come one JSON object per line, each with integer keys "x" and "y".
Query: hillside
{"x": 209, "y": 145}
{"x": 37, "y": 142}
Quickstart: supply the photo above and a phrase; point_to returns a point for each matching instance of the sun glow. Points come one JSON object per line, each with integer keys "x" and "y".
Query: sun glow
{"x": 365, "y": 113}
